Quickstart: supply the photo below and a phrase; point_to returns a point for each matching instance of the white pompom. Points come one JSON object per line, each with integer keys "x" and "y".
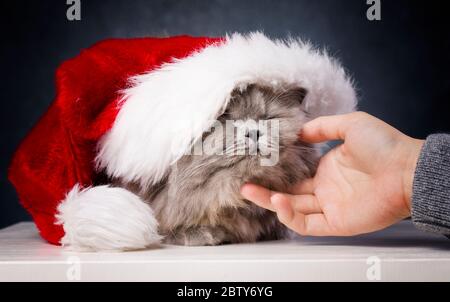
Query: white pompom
{"x": 106, "y": 218}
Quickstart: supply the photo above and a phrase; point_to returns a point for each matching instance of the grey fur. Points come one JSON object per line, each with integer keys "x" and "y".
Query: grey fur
{"x": 198, "y": 203}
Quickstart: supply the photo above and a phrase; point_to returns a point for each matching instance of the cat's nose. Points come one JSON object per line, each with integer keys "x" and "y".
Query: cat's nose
{"x": 253, "y": 134}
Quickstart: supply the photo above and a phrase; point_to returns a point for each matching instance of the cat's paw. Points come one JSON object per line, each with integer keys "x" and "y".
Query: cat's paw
{"x": 199, "y": 236}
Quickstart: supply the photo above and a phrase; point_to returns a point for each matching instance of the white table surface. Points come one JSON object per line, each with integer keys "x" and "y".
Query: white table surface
{"x": 400, "y": 253}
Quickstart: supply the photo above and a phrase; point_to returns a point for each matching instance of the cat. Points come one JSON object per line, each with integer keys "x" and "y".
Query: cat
{"x": 198, "y": 201}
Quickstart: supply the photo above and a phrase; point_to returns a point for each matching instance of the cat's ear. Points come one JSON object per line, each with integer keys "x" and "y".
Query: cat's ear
{"x": 299, "y": 94}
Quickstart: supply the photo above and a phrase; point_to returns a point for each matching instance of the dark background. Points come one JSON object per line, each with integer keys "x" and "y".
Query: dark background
{"x": 401, "y": 64}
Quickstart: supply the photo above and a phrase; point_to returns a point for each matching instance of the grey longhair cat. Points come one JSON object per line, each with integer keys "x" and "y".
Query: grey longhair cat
{"x": 198, "y": 202}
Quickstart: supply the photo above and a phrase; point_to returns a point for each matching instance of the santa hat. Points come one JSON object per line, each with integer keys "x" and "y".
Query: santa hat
{"x": 131, "y": 107}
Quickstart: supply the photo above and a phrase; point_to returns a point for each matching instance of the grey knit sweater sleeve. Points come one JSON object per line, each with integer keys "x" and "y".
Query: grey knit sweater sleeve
{"x": 431, "y": 186}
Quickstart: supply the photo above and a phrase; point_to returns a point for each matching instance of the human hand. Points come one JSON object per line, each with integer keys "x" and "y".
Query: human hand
{"x": 361, "y": 186}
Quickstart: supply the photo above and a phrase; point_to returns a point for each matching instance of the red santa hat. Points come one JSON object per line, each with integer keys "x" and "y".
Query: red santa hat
{"x": 131, "y": 107}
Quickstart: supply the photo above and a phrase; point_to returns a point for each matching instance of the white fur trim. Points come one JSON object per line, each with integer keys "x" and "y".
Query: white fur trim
{"x": 105, "y": 218}
{"x": 165, "y": 110}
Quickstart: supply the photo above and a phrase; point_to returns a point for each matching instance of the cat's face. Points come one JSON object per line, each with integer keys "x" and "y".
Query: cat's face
{"x": 255, "y": 139}
{"x": 258, "y": 125}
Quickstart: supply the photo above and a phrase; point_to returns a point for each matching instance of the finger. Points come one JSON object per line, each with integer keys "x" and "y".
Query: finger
{"x": 307, "y": 225}
{"x": 326, "y": 128}
{"x": 317, "y": 225}
{"x": 258, "y": 195}
{"x": 305, "y": 204}
{"x": 304, "y": 187}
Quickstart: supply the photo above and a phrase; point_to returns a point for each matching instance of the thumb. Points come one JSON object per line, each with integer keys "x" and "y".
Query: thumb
{"x": 327, "y": 128}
